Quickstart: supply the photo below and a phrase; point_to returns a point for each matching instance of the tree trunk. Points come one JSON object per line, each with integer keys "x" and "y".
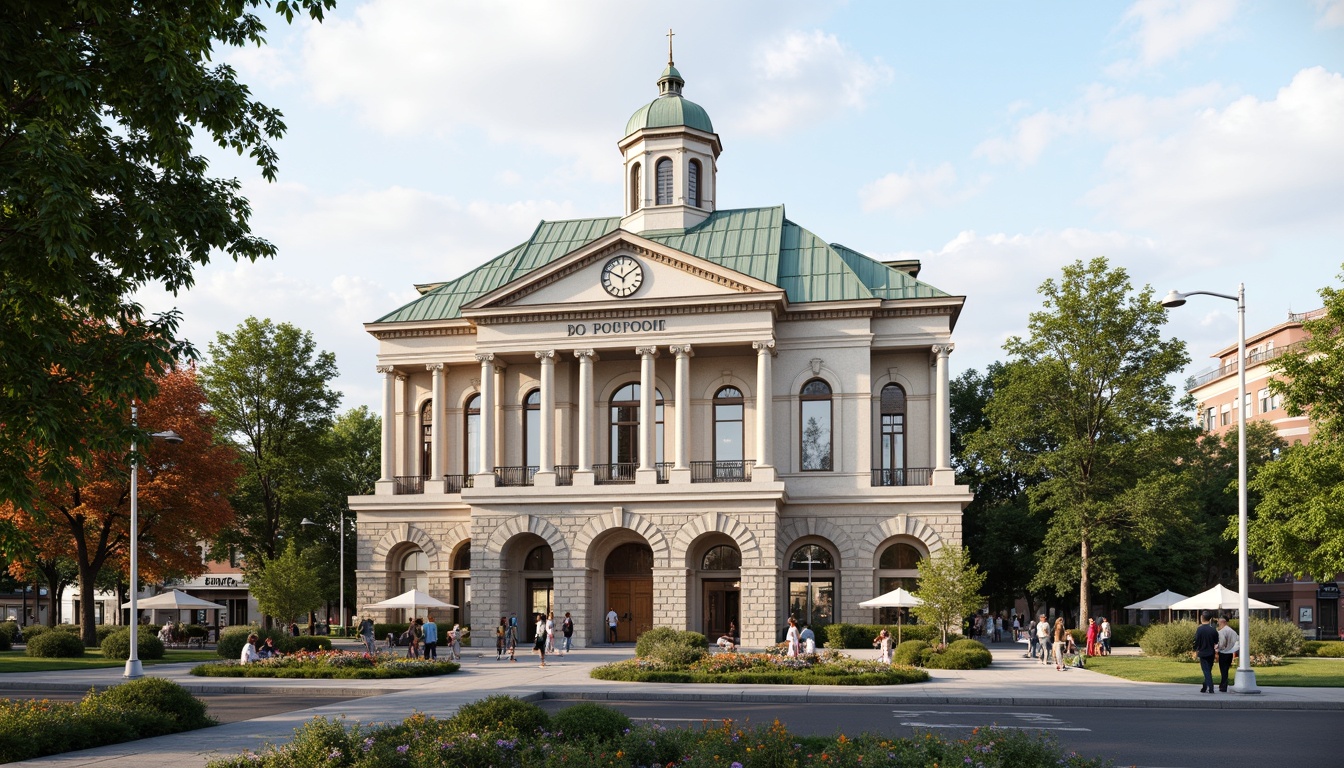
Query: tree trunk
{"x": 86, "y": 595}
{"x": 1084, "y": 585}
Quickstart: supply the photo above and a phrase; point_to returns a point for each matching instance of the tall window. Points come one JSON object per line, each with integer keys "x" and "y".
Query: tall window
{"x": 664, "y": 171}
{"x": 1210, "y": 418}
{"x": 728, "y": 407}
{"x": 625, "y": 425}
{"x": 893, "y": 427}
{"x": 413, "y": 572}
{"x": 693, "y": 183}
{"x": 636, "y": 191}
{"x": 426, "y": 438}
{"x": 472, "y": 441}
{"x": 815, "y": 406}
{"x": 812, "y": 567}
{"x": 532, "y": 429}
{"x": 897, "y": 567}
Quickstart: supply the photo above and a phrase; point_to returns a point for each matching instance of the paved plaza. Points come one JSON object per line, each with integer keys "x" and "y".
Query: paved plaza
{"x": 1012, "y": 680}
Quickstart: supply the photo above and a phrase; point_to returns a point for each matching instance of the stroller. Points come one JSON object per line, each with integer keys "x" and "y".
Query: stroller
{"x": 1073, "y": 657}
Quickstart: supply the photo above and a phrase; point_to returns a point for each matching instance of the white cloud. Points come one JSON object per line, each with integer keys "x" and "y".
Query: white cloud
{"x": 914, "y": 191}
{"x": 1332, "y": 13}
{"x": 1167, "y": 28}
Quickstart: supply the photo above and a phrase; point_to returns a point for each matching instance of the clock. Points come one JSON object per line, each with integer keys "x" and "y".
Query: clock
{"x": 622, "y": 276}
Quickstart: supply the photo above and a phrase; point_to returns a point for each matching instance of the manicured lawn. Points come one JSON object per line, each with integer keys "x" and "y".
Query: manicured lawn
{"x": 1303, "y": 672}
{"x": 16, "y": 661}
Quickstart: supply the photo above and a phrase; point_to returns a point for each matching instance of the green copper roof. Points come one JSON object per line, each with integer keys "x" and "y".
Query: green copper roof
{"x": 669, "y": 111}
{"x": 758, "y": 242}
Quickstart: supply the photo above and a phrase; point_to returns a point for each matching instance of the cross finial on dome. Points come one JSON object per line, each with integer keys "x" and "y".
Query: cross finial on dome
{"x": 669, "y": 46}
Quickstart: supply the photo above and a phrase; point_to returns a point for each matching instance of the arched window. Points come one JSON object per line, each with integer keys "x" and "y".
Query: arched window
{"x": 414, "y": 566}
{"x": 693, "y": 183}
{"x": 893, "y": 429}
{"x": 539, "y": 559}
{"x": 815, "y": 437}
{"x": 532, "y": 429}
{"x": 723, "y": 557}
{"x": 664, "y": 171}
{"x": 728, "y": 408}
{"x": 899, "y": 556}
{"x": 462, "y": 558}
{"x": 636, "y": 191}
{"x": 624, "y": 412}
{"x": 812, "y": 578}
{"x": 813, "y": 556}
{"x": 897, "y": 566}
{"x": 472, "y": 440}
{"x": 427, "y": 438}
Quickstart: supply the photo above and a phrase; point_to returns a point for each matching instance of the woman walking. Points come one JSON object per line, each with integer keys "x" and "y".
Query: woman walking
{"x": 499, "y": 639}
{"x": 792, "y": 637}
{"x": 539, "y": 644}
{"x": 1060, "y": 634}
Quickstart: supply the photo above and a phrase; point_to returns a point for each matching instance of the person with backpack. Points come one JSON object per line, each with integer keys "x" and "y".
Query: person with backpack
{"x": 567, "y": 633}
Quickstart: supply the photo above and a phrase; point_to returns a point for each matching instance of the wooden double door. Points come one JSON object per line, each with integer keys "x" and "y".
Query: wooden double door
{"x": 632, "y": 599}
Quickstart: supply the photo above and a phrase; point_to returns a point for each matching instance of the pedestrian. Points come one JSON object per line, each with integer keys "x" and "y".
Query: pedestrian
{"x": 1017, "y": 628}
{"x": 550, "y": 632}
{"x": 268, "y": 649}
{"x": 883, "y": 645}
{"x": 809, "y": 640}
{"x": 1092, "y": 629}
{"x": 416, "y": 638}
{"x": 1043, "y": 639}
{"x": 977, "y": 625}
{"x": 293, "y": 629}
{"x": 727, "y": 642}
{"x": 1105, "y": 635}
{"x": 431, "y": 638}
{"x": 1058, "y": 639}
{"x": 250, "y": 654}
{"x": 612, "y": 618}
{"x": 567, "y": 632}
{"x": 499, "y": 638}
{"x": 791, "y": 638}
{"x": 539, "y": 643}
{"x": 455, "y": 642}
{"x": 1206, "y": 649}
{"x": 511, "y": 639}
{"x": 1228, "y": 645}
{"x": 998, "y": 629}
{"x": 366, "y": 632}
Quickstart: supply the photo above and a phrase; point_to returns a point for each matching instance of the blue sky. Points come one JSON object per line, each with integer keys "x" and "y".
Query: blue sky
{"x": 1197, "y": 143}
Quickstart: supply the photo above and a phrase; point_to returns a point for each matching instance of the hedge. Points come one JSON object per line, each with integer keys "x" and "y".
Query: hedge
{"x": 330, "y": 665}
{"x": 671, "y": 646}
{"x": 56, "y": 645}
{"x": 118, "y": 645}
{"x": 861, "y": 635}
{"x": 9, "y": 630}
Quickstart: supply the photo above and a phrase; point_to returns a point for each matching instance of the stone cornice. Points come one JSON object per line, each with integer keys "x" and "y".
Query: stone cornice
{"x": 627, "y": 311}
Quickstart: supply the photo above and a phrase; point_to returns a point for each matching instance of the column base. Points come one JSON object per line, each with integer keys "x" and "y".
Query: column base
{"x": 646, "y": 476}
{"x": 483, "y": 480}
{"x": 134, "y": 670}
{"x": 944, "y": 476}
{"x": 544, "y": 479}
{"x": 584, "y": 477}
{"x": 384, "y": 487}
{"x": 1245, "y": 682}
{"x": 434, "y": 486}
{"x": 763, "y": 473}
{"x": 678, "y": 476}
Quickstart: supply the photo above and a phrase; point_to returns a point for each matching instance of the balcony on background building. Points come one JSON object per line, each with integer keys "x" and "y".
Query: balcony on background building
{"x": 455, "y": 483}
{"x": 1257, "y": 358}
{"x": 408, "y": 484}
{"x": 514, "y": 477}
{"x": 903, "y": 476}
{"x": 721, "y": 471}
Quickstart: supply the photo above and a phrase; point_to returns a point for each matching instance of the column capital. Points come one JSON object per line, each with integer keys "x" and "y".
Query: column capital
{"x": 764, "y": 347}
{"x": 590, "y": 354}
{"x": 943, "y": 350}
{"x": 386, "y": 369}
{"x": 485, "y": 357}
{"x": 646, "y": 351}
{"x": 434, "y": 366}
{"x": 546, "y": 356}
{"x": 681, "y": 350}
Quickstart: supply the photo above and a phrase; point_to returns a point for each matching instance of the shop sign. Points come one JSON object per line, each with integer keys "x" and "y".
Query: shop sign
{"x": 1327, "y": 591}
{"x": 222, "y": 581}
{"x": 616, "y": 326}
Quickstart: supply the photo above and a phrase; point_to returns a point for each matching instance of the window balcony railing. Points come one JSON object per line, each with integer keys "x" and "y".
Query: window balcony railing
{"x": 721, "y": 471}
{"x": 564, "y": 474}
{"x": 1254, "y": 358}
{"x": 903, "y": 476}
{"x": 614, "y": 474}
{"x": 513, "y": 477}
{"x": 455, "y": 483}
{"x": 662, "y": 468}
{"x": 406, "y": 484}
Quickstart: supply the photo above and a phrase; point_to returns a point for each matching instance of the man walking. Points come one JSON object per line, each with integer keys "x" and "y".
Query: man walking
{"x": 431, "y": 638}
{"x": 1228, "y": 645}
{"x": 1043, "y": 639}
{"x": 1206, "y": 647}
{"x": 612, "y": 618}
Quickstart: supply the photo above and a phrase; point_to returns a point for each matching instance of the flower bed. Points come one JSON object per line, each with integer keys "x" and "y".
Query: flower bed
{"x": 824, "y": 668}
{"x": 424, "y": 742}
{"x": 329, "y": 665}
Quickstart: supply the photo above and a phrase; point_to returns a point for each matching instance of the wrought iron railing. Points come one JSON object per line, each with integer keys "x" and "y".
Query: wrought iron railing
{"x": 455, "y": 483}
{"x": 721, "y": 471}
{"x": 614, "y": 474}
{"x": 662, "y": 468}
{"x": 902, "y": 476}
{"x": 406, "y": 484}
{"x": 1255, "y": 358}
{"x": 564, "y": 474}
{"x": 513, "y": 477}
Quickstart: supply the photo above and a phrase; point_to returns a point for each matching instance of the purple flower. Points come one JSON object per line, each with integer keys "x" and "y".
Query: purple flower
{"x": 368, "y": 744}
{"x": 403, "y": 749}
{"x": 735, "y": 763}
{"x": 335, "y": 754}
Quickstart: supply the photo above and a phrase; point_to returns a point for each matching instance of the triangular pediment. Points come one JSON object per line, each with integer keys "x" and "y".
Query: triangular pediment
{"x": 622, "y": 269}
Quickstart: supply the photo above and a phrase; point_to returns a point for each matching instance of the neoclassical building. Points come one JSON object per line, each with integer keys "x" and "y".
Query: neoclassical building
{"x": 688, "y": 415}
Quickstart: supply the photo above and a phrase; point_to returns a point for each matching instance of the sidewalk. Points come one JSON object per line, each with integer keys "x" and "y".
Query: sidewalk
{"x": 1011, "y": 680}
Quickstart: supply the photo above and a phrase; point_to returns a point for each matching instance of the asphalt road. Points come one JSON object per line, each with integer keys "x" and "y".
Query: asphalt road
{"x": 224, "y": 707}
{"x": 1149, "y": 738}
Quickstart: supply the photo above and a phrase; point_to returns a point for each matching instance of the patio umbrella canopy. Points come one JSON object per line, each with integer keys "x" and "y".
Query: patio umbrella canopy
{"x": 897, "y": 598}
{"x": 1159, "y": 602}
{"x": 1218, "y": 598}
{"x": 175, "y": 600}
{"x": 410, "y": 600}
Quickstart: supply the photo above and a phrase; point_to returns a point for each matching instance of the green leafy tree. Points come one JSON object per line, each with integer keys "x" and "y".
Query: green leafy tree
{"x": 285, "y": 586}
{"x": 1087, "y": 411}
{"x": 949, "y": 585}
{"x": 353, "y": 448}
{"x": 1311, "y": 376}
{"x": 269, "y": 388}
{"x": 101, "y": 195}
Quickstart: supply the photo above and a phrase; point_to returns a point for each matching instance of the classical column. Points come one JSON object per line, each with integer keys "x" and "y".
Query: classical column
{"x": 584, "y": 474}
{"x": 943, "y": 473}
{"x": 546, "y": 456}
{"x": 410, "y": 449}
{"x": 437, "y": 430}
{"x": 388, "y": 468}
{"x": 682, "y": 465}
{"x": 765, "y": 351}
{"x": 647, "y": 416}
{"x": 486, "y": 462}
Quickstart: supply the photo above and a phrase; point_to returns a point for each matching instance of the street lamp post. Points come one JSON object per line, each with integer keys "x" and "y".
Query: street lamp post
{"x": 341, "y": 578}
{"x": 1245, "y": 682}
{"x": 133, "y": 668}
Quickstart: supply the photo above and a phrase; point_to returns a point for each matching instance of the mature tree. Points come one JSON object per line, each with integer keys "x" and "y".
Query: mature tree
{"x": 101, "y": 195}
{"x": 183, "y": 492}
{"x": 1086, "y": 409}
{"x": 1311, "y": 376}
{"x": 284, "y": 585}
{"x": 949, "y": 585}
{"x": 269, "y": 387}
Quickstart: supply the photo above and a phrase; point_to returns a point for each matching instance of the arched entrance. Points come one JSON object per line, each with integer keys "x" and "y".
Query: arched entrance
{"x": 539, "y": 587}
{"x": 629, "y": 585}
{"x": 720, "y": 574}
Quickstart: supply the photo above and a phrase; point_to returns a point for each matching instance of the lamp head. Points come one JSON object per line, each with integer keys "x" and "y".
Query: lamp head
{"x": 1173, "y": 300}
{"x": 306, "y": 521}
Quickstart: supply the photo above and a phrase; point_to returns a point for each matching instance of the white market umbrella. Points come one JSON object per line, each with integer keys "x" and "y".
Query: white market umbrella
{"x": 175, "y": 600}
{"x": 1218, "y": 598}
{"x": 410, "y": 600}
{"x": 897, "y": 598}
{"x": 1159, "y": 602}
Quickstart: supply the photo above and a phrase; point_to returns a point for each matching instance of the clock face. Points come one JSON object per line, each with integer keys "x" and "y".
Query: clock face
{"x": 622, "y": 276}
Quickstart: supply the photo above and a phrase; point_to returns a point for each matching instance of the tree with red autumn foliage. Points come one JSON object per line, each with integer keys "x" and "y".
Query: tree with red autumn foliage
{"x": 183, "y": 499}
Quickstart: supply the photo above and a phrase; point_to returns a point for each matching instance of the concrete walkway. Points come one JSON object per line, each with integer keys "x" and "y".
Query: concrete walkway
{"x": 1011, "y": 680}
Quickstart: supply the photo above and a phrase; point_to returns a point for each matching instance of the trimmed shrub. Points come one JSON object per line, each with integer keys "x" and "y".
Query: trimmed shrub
{"x": 232, "y": 640}
{"x": 305, "y": 643}
{"x": 56, "y": 645}
{"x": 500, "y": 715}
{"x": 1309, "y": 647}
{"x": 1175, "y": 640}
{"x": 1331, "y": 650}
{"x": 1274, "y": 638}
{"x": 194, "y": 630}
{"x": 37, "y": 630}
{"x": 9, "y": 630}
{"x": 1126, "y": 634}
{"x": 909, "y": 652}
{"x": 671, "y": 646}
{"x": 959, "y": 659}
{"x": 118, "y": 645}
{"x": 101, "y": 632}
{"x": 171, "y": 708}
{"x": 589, "y": 721}
{"x": 861, "y": 635}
